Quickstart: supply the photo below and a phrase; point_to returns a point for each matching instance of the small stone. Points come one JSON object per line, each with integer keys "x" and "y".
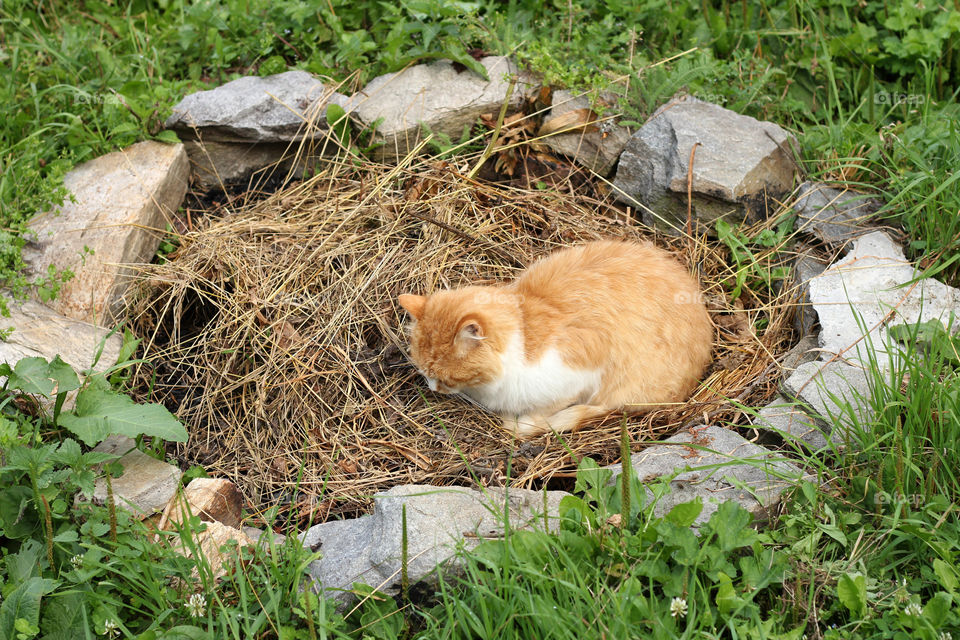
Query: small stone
{"x": 806, "y": 350}
{"x": 209, "y": 542}
{"x": 597, "y": 145}
{"x": 793, "y": 425}
{"x": 837, "y": 393}
{"x": 805, "y": 269}
{"x": 122, "y": 203}
{"x": 146, "y": 486}
{"x": 706, "y": 473}
{"x": 439, "y": 520}
{"x": 858, "y": 297}
{"x": 832, "y": 215}
{"x": 438, "y": 95}
{"x": 741, "y": 166}
{"x": 212, "y": 499}
{"x": 278, "y": 108}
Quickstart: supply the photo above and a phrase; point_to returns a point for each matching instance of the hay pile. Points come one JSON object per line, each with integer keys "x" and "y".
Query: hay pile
{"x": 275, "y": 336}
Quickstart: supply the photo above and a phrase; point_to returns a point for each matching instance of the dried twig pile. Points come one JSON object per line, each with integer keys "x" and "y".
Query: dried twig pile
{"x": 275, "y": 335}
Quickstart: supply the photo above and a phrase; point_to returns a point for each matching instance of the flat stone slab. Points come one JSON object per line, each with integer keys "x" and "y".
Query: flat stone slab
{"x": 740, "y": 164}
{"x": 837, "y": 393}
{"x": 859, "y": 296}
{"x": 720, "y": 466}
{"x": 439, "y": 520}
{"x": 439, "y": 95}
{"x": 147, "y": 484}
{"x": 122, "y": 203}
{"x": 274, "y": 108}
{"x": 39, "y": 331}
{"x": 792, "y": 424}
{"x": 597, "y": 145}
{"x": 834, "y": 216}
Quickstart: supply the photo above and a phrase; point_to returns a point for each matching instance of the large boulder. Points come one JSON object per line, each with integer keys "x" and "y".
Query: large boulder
{"x": 440, "y": 96}
{"x": 715, "y": 465}
{"x": 741, "y": 167}
{"x": 254, "y": 127}
{"x": 279, "y": 108}
{"x": 858, "y": 297}
{"x": 439, "y": 521}
{"x": 115, "y": 220}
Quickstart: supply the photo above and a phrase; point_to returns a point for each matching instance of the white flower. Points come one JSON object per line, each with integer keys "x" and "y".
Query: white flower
{"x": 945, "y": 635}
{"x": 913, "y": 609}
{"x": 196, "y": 605}
{"x": 111, "y": 629}
{"x": 678, "y": 608}
{"x": 77, "y": 561}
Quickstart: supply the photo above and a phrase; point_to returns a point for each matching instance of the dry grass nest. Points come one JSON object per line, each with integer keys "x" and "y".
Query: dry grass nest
{"x": 274, "y": 333}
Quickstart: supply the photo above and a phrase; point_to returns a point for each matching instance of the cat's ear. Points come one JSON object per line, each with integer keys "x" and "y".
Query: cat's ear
{"x": 413, "y": 304}
{"x": 470, "y": 331}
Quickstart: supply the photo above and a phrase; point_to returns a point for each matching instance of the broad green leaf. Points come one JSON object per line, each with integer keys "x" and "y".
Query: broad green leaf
{"x": 946, "y": 574}
{"x": 731, "y": 524}
{"x": 727, "y": 598}
{"x": 101, "y": 412}
{"x": 18, "y": 519}
{"x": 63, "y": 374}
{"x": 684, "y": 515}
{"x": 937, "y": 608}
{"x": 852, "y": 592}
{"x": 184, "y": 632}
{"x": 62, "y": 616}
{"x": 24, "y": 602}
{"x": 30, "y": 376}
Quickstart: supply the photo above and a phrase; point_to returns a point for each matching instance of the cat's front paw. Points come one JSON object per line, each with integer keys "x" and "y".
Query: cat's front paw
{"x": 528, "y": 426}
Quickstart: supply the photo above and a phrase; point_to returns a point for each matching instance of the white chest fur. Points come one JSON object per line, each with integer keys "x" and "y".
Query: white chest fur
{"x": 528, "y": 387}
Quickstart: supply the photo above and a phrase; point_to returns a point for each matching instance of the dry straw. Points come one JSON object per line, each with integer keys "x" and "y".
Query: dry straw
{"x": 275, "y": 334}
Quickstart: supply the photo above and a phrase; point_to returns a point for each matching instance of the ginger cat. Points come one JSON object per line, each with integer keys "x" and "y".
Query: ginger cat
{"x": 583, "y": 332}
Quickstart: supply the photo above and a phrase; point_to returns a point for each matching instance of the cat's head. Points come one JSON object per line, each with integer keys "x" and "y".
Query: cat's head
{"x": 457, "y": 337}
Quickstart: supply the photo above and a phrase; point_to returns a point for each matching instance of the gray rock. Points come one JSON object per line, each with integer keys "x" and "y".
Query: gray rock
{"x": 806, "y": 350}
{"x": 147, "y": 484}
{"x": 439, "y": 521}
{"x": 38, "y": 331}
{"x": 122, "y": 201}
{"x": 279, "y": 108}
{"x": 834, "y": 216}
{"x": 223, "y": 164}
{"x": 792, "y": 424}
{"x": 596, "y": 146}
{"x": 858, "y": 297}
{"x": 740, "y": 165}
{"x": 837, "y": 393}
{"x": 436, "y": 95}
{"x": 805, "y": 269}
{"x": 756, "y": 479}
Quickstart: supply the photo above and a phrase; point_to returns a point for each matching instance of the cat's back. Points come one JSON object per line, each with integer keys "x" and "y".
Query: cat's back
{"x": 605, "y": 271}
